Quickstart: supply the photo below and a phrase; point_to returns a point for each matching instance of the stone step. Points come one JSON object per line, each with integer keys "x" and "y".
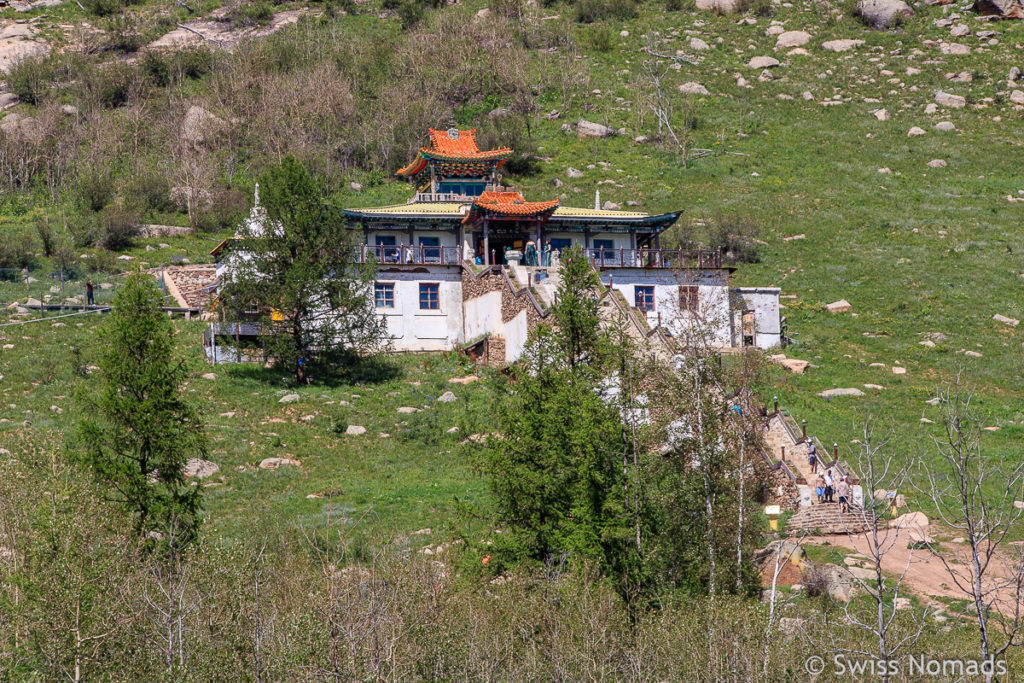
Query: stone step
{"x": 826, "y": 518}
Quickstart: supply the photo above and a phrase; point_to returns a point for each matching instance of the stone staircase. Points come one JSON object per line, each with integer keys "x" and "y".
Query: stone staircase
{"x": 825, "y": 518}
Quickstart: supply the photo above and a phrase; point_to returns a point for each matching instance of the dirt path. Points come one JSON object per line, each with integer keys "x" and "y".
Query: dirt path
{"x": 927, "y": 577}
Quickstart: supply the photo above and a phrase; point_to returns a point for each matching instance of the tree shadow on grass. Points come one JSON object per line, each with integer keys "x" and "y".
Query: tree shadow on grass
{"x": 334, "y": 371}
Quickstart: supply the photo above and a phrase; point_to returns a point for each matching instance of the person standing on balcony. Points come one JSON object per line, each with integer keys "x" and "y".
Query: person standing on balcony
{"x": 89, "y": 300}
{"x": 547, "y": 254}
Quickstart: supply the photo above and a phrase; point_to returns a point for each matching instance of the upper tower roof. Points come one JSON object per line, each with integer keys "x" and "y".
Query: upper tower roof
{"x": 455, "y": 152}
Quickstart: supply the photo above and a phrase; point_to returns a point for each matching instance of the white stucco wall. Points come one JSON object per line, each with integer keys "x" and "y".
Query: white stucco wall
{"x": 413, "y": 329}
{"x": 764, "y": 302}
{"x": 483, "y": 316}
{"x": 713, "y": 321}
{"x": 516, "y": 332}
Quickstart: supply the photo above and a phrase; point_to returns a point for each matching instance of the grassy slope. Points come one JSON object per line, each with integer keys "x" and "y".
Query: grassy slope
{"x": 816, "y": 173}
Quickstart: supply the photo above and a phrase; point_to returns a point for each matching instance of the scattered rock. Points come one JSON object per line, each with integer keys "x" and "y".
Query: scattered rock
{"x": 945, "y": 99}
{"x": 927, "y": 342}
{"x": 209, "y": 375}
{"x": 881, "y": 114}
{"x": 899, "y": 370}
{"x": 841, "y": 45}
{"x": 875, "y": 387}
{"x": 911, "y": 520}
{"x": 468, "y": 379}
{"x": 589, "y": 129}
{"x": 289, "y": 398}
{"x": 841, "y": 584}
{"x": 408, "y": 410}
{"x": 274, "y": 463}
{"x": 902, "y": 603}
{"x": 801, "y": 236}
{"x": 1012, "y": 322}
{"x": 974, "y": 354}
{"x": 699, "y": 45}
{"x": 693, "y": 88}
{"x": 914, "y": 132}
{"x": 934, "y": 401}
{"x": 954, "y": 49}
{"x": 355, "y": 187}
{"x": 355, "y": 430}
{"x": 498, "y": 113}
{"x": 718, "y": 6}
{"x": 936, "y": 163}
{"x": 198, "y": 468}
{"x": 762, "y": 62}
{"x": 945, "y": 126}
{"x": 850, "y": 391}
{"x": 573, "y": 173}
{"x": 792, "y": 39}
{"x": 452, "y": 430}
{"x": 883, "y": 14}
{"x": 447, "y": 397}
{"x": 841, "y": 306}
{"x": 200, "y": 126}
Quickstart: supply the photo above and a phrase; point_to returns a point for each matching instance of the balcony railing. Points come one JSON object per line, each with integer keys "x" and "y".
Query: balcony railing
{"x": 654, "y": 258}
{"x": 455, "y": 196}
{"x": 420, "y": 255}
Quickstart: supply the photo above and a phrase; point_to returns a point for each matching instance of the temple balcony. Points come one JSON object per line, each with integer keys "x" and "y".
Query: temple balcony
{"x": 654, "y": 258}
{"x": 453, "y": 196}
{"x": 409, "y": 255}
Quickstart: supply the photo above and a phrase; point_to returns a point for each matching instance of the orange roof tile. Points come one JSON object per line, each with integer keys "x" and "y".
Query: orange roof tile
{"x": 463, "y": 145}
{"x": 512, "y": 204}
{"x": 454, "y": 146}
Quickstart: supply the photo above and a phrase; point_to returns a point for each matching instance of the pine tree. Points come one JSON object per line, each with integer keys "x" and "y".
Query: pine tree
{"x": 138, "y": 431}
{"x": 298, "y": 269}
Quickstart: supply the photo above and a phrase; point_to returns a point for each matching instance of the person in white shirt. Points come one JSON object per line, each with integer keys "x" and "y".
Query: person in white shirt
{"x": 829, "y": 486}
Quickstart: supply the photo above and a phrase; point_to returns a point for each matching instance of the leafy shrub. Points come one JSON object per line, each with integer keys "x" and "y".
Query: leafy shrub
{"x": 84, "y": 230}
{"x": 736, "y": 235}
{"x": 123, "y": 34}
{"x": 151, "y": 190}
{"x": 195, "y": 62}
{"x": 589, "y": 11}
{"x": 110, "y": 85}
{"x": 30, "y": 79}
{"x": 601, "y": 39}
{"x": 95, "y": 188}
{"x": 251, "y": 14}
{"x": 46, "y": 236}
{"x": 103, "y": 8}
{"x": 16, "y": 250}
{"x": 410, "y": 13}
{"x": 155, "y": 69}
{"x": 227, "y": 209}
{"x": 120, "y": 227}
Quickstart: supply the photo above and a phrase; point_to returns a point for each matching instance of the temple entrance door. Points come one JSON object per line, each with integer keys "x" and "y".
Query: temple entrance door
{"x": 499, "y": 243}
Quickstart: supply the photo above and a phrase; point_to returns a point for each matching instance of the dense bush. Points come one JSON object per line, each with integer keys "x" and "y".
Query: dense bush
{"x": 120, "y": 226}
{"x": 16, "y": 250}
{"x": 589, "y": 11}
{"x": 30, "y": 79}
{"x": 95, "y": 188}
{"x": 246, "y": 14}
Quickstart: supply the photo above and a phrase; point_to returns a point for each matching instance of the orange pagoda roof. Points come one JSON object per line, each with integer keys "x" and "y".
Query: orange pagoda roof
{"x": 510, "y": 205}
{"x": 455, "y": 147}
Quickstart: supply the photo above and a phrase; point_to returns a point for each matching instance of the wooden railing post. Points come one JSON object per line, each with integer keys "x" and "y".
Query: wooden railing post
{"x": 775, "y": 403}
{"x": 803, "y": 428}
